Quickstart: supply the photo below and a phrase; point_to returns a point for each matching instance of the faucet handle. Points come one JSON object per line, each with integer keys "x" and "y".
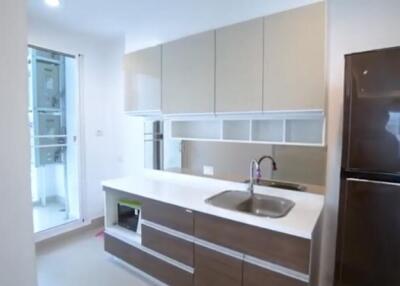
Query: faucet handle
{"x": 258, "y": 173}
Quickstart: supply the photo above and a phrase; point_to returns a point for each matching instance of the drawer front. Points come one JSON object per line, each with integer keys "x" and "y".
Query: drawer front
{"x": 257, "y": 276}
{"x": 171, "y": 246}
{"x": 285, "y": 250}
{"x": 168, "y": 215}
{"x": 153, "y": 266}
{"x": 216, "y": 269}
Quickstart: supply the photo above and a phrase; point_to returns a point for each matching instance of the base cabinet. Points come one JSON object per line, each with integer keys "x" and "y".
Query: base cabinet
{"x": 285, "y": 250}
{"x": 173, "y": 217}
{"x": 182, "y": 247}
{"x": 257, "y": 276}
{"x": 168, "y": 245}
{"x": 216, "y": 269}
{"x": 153, "y": 266}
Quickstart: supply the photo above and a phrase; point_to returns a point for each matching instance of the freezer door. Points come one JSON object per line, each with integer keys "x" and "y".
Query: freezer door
{"x": 153, "y": 144}
{"x": 153, "y": 154}
{"x": 372, "y": 112}
{"x": 368, "y": 246}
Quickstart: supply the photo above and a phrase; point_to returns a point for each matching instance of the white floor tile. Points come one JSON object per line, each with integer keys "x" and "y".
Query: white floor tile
{"x": 81, "y": 261}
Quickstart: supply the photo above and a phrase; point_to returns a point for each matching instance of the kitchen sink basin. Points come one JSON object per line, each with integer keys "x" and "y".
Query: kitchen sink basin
{"x": 257, "y": 204}
{"x": 279, "y": 184}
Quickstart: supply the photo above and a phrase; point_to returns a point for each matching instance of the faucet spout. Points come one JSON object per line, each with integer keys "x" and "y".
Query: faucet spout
{"x": 274, "y": 166}
{"x": 254, "y": 166}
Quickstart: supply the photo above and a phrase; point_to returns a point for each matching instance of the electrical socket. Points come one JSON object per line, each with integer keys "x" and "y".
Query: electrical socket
{"x": 208, "y": 170}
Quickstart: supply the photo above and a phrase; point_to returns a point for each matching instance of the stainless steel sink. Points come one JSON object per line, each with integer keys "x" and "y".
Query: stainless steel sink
{"x": 259, "y": 205}
{"x": 279, "y": 184}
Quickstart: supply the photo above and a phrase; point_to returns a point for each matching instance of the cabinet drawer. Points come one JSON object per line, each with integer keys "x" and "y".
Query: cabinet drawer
{"x": 171, "y": 246}
{"x": 257, "y": 276}
{"x": 216, "y": 269}
{"x": 153, "y": 266}
{"x": 168, "y": 215}
{"x": 285, "y": 250}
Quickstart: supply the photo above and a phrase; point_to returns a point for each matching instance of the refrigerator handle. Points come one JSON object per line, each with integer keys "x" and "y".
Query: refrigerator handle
{"x": 372, "y": 181}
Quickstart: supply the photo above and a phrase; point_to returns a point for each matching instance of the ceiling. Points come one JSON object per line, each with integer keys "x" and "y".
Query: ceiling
{"x": 146, "y": 23}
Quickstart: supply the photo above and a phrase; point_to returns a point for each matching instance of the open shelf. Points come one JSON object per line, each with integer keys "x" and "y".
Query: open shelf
{"x": 111, "y": 219}
{"x": 196, "y": 129}
{"x": 301, "y": 128}
{"x": 236, "y": 130}
{"x": 269, "y": 130}
{"x": 124, "y": 234}
{"x": 304, "y": 131}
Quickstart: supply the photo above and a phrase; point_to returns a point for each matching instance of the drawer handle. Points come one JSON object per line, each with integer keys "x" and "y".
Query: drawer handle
{"x": 188, "y": 211}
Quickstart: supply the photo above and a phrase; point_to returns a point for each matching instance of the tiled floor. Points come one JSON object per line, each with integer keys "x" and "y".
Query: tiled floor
{"x": 81, "y": 261}
{"x": 51, "y": 215}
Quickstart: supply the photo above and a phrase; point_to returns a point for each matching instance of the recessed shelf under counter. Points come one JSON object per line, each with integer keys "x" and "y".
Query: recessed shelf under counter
{"x": 301, "y": 128}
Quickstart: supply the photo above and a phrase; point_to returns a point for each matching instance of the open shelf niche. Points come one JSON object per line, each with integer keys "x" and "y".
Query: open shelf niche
{"x": 111, "y": 220}
{"x": 306, "y": 128}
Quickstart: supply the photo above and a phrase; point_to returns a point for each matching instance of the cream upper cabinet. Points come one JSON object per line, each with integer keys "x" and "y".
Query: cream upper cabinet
{"x": 294, "y": 59}
{"x": 143, "y": 81}
{"x": 188, "y": 74}
{"x": 239, "y": 67}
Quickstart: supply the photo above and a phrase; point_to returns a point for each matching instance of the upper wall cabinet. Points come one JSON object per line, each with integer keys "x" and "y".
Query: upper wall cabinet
{"x": 188, "y": 69}
{"x": 294, "y": 59}
{"x": 239, "y": 67}
{"x": 143, "y": 81}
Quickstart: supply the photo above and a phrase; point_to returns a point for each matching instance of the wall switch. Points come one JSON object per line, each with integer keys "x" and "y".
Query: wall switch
{"x": 208, "y": 170}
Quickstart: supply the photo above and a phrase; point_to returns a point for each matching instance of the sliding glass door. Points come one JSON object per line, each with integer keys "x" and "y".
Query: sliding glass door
{"x": 53, "y": 116}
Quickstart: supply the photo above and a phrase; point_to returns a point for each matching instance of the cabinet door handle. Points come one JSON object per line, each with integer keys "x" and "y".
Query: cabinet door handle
{"x": 188, "y": 211}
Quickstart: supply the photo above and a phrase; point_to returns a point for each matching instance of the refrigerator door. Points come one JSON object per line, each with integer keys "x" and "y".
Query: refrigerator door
{"x": 153, "y": 145}
{"x": 372, "y": 112}
{"x": 368, "y": 247}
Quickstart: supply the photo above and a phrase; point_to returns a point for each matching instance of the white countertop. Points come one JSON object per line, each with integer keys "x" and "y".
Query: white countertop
{"x": 191, "y": 192}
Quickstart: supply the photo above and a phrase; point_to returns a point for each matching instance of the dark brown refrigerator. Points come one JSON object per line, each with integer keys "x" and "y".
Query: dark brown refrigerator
{"x": 368, "y": 242}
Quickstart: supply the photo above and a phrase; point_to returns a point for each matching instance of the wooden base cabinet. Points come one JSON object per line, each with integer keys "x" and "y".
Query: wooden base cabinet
{"x": 168, "y": 245}
{"x": 170, "y": 216}
{"x": 180, "y": 247}
{"x": 285, "y": 250}
{"x": 152, "y": 265}
{"x": 257, "y": 276}
{"x": 216, "y": 269}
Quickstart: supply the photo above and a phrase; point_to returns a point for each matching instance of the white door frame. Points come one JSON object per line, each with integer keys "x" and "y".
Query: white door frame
{"x": 81, "y": 164}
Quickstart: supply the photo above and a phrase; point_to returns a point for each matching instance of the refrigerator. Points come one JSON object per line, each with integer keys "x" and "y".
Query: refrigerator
{"x": 368, "y": 240}
{"x": 153, "y": 144}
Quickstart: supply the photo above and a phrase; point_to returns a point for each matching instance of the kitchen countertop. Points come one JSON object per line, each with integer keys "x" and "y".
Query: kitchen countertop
{"x": 190, "y": 192}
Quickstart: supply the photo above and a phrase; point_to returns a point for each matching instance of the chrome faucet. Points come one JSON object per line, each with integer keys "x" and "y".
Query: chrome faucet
{"x": 253, "y": 166}
{"x": 274, "y": 167}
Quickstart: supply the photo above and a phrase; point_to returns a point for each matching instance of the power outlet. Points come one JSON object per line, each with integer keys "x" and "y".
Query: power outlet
{"x": 208, "y": 170}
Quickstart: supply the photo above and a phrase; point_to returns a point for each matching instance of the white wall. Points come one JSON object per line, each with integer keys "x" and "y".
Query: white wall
{"x": 17, "y": 266}
{"x": 107, "y": 147}
{"x": 353, "y": 26}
